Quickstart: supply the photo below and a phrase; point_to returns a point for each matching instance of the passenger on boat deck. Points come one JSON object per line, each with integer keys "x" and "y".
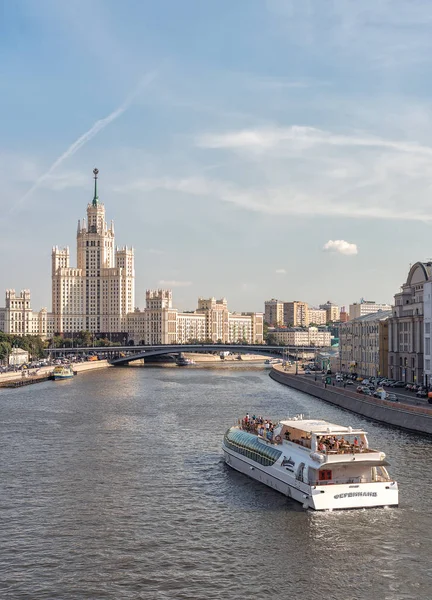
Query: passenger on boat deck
{"x": 356, "y": 442}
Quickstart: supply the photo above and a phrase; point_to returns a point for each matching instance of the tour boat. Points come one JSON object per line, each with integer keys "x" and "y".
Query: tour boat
{"x": 182, "y": 361}
{"x": 63, "y": 372}
{"x": 322, "y": 465}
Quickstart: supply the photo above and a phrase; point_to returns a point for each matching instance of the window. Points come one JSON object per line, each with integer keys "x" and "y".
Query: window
{"x": 427, "y": 327}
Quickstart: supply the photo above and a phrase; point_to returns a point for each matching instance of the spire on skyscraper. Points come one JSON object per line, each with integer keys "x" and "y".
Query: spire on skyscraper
{"x": 96, "y": 197}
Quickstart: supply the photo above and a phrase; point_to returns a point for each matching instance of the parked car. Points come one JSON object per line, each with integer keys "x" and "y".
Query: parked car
{"x": 398, "y": 384}
{"x": 349, "y": 382}
{"x": 307, "y": 372}
{"x": 391, "y": 397}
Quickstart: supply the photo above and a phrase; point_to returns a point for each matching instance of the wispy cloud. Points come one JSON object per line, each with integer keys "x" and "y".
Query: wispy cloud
{"x": 270, "y": 138}
{"x": 341, "y": 247}
{"x": 87, "y": 136}
{"x": 280, "y": 271}
{"x": 174, "y": 284}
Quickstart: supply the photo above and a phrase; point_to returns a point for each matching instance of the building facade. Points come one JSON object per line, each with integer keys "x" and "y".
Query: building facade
{"x": 366, "y": 307}
{"x": 317, "y": 316}
{"x": 98, "y": 295}
{"x": 406, "y": 327}
{"x": 274, "y": 312}
{"x": 332, "y": 311}
{"x": 211, "y": 322}
{"x": 18, "y": 318}
{"x": 296, "y": 336}
{"x": 99, "y": 292}
{"x": 296, "y": 314}
{"x": 363, "y": 345}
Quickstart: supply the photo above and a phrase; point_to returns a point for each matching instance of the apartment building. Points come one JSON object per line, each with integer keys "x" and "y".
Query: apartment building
{"x": 317, "y": 316}
{"x": 296, "y": 314}
{"x": 363, "y": 344}
{"x": 332, "y": 311}
{"x": 296, "y": 336}
{"x": 366, "y": 307}
{"x": 274, "y": 312}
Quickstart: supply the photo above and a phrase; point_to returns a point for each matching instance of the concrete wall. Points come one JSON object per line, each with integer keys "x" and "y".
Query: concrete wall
{"x": 405, "y": 416}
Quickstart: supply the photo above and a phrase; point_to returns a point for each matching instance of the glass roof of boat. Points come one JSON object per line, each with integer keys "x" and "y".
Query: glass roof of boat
{"x": 319, "y": 426}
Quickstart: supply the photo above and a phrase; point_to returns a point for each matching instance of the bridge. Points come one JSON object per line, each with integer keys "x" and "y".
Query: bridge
{"x": 123, "y": 355}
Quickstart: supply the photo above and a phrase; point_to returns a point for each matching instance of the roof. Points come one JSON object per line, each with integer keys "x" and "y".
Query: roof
{"x": 320, "y": 426}
{"x": 380, "y": 315}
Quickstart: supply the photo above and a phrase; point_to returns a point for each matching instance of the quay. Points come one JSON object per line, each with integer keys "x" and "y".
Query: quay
{"x": 22, "y": 381}
{"x": 398, "y": 414}
{"x": 16, "y": 380}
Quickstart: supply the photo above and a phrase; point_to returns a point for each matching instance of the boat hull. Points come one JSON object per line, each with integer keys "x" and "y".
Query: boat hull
{"x": 323, "y": 497}
{"x": 58, "y": 377}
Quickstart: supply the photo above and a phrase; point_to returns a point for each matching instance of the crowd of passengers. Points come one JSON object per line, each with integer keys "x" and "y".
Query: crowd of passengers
{"x": 333, "y": 444}
{"x": 258, "y": 425}
{"x": 326, "y": 443}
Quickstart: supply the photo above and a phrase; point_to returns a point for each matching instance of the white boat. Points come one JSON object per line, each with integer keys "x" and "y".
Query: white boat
{"x": 322, "y": 465}
{"x": 182, "y": 361}
{"x": 63, "y": 372}
{"x": 272, "y": 361}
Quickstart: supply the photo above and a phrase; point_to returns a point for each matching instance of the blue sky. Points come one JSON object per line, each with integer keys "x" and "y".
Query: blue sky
{"x": 234, "y": 141}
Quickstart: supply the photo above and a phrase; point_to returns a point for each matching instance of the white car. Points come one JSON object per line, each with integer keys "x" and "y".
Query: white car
{"x": 307, "y": 372}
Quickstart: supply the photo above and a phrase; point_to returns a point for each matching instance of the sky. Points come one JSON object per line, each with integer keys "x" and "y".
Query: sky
{"x": 250, "y": 150}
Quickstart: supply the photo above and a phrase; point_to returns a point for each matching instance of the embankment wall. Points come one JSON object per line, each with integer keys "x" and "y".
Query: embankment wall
{"x": 405, "y": 416}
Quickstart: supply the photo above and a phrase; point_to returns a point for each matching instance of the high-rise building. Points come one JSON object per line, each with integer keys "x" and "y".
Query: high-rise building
{"x": 366, "y": 307}
{"x": 274, "y": 312}
{"x": 317, "y": 316}
{"x": 98, "y": 295}
{"x": 332, "y": 311}
{"x": 296, "y": 314}
{"x": 99, "y": 292}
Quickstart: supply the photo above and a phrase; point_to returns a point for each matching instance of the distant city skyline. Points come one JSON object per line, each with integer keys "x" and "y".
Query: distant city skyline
{"x": 290, "y": 161}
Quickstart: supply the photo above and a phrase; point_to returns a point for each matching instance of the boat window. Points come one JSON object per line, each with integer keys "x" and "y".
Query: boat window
{"x": 248, "y": 445}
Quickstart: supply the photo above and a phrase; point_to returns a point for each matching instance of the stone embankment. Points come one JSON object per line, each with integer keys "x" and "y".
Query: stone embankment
{"x": 398, "y": 414}
{"x": 16, "y": 379}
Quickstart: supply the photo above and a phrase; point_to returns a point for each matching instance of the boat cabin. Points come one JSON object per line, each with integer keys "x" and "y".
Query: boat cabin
{"x": 321, "y": 436}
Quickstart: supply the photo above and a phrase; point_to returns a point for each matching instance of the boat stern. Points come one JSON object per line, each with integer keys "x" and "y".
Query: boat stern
{"x": 363, "y": 495}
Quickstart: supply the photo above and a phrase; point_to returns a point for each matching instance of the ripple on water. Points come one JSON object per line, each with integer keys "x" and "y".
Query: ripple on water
{"x": 114, "y": 487}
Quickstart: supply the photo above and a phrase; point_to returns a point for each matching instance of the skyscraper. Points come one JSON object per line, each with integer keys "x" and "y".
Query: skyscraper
{"x": 99, "y": 292}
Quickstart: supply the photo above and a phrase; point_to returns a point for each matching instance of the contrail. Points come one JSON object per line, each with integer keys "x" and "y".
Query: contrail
{"x": 88, "y": 135}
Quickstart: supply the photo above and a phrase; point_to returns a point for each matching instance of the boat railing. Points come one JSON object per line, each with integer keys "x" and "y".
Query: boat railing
{"x": 351, "y": 480}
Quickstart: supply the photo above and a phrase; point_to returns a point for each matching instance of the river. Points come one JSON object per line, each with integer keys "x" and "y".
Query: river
{"x": 113, "y": 487}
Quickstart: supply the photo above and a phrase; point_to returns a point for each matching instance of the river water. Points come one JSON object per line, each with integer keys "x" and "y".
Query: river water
{"x": 112, "y": 486}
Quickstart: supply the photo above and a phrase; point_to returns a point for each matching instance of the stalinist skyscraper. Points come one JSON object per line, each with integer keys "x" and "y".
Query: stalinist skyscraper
{"x": 99, "y": 292}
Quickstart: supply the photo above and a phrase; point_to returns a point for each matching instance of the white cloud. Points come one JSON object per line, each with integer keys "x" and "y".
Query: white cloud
{"x": 173, "y": 283}
{"x": 341, "y": 247}
{"x": 281, "y": 271}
